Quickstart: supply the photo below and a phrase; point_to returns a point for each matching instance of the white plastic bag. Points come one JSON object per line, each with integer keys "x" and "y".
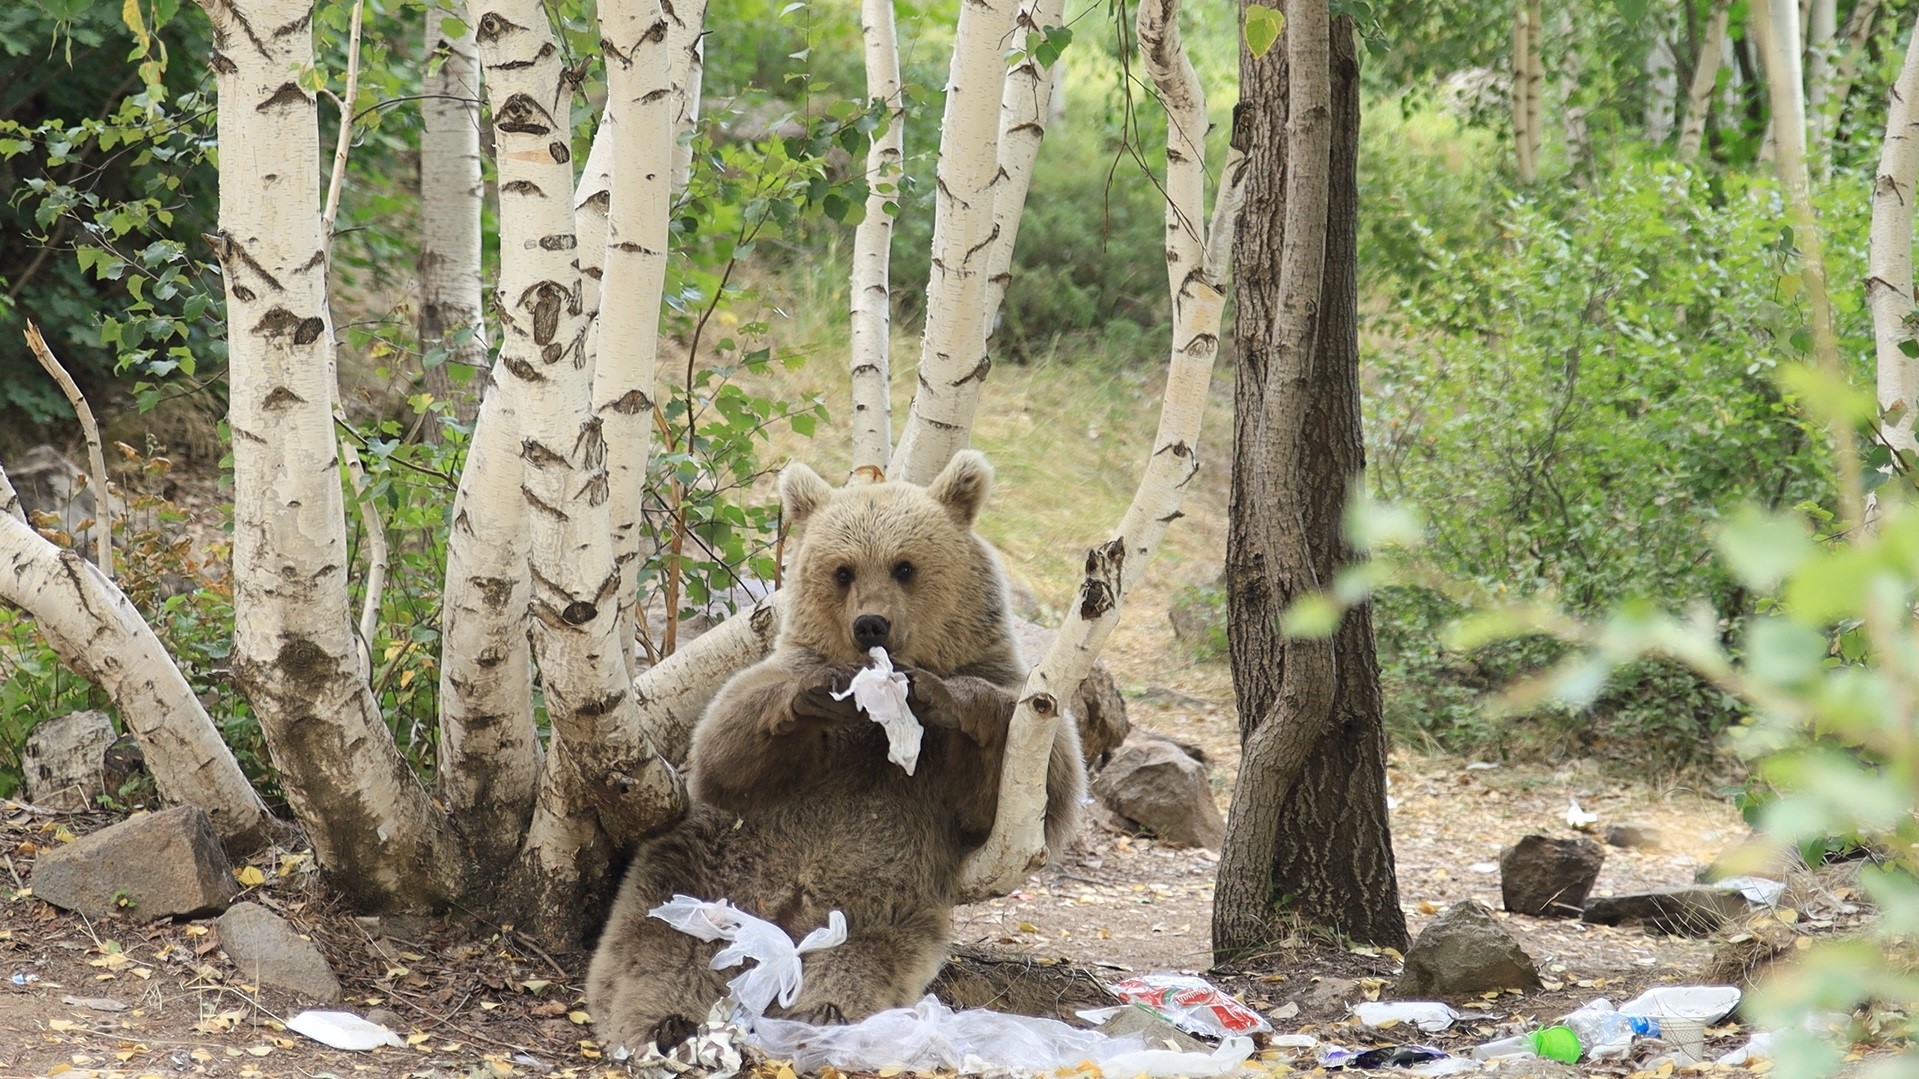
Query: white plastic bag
{"x": 1429, "y": 1016}
{"x": 930, "y": 1036}
{"x": 775, "y": 974}
{"x": 344, "y": 1030}
{"x": 880, "y": 692}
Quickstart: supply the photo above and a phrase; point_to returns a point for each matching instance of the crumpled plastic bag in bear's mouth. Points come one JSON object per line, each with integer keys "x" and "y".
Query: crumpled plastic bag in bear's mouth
{"x": 880, "y": 692}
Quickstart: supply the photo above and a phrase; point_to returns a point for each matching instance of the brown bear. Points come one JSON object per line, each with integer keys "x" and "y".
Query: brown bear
{"x": 797, "y": 810}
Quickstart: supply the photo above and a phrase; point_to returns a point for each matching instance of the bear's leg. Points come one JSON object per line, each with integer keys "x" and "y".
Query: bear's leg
{"x": 888, "y": 966}
{"x": 651, "y": 983}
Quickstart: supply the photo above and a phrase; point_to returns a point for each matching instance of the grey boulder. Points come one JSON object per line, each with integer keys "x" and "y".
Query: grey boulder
{"x": 1465, "y": 951}
{"x": 1550, "y": 877}
{"x": 157, "y": 865}
{"x": 1153, "y": 785}
{"x": 269, "y": 952}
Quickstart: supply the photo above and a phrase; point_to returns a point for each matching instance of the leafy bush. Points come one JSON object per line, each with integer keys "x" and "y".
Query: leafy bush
{"x": 1575, "y": 406}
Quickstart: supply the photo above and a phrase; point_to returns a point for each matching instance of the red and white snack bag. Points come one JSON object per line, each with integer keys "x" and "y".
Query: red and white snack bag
{"x": 1192, "y": 1005}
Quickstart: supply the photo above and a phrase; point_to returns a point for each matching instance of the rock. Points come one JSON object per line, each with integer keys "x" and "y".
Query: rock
{"x": 62, "y": 760}
{"x": 1097, "y": 705}
{"x": 1197, "y": 615}
{"x": 387, "y": 1018}
{"x": 125, "y": 761}
{"x": 1550, "y": 877}
{"x": 268, "y": 951}
{"x": 1330, "y": 994}
{"x": 1157, "y": 1032}
{"x": 157, "y": 865}
{"x": 47, "y": 482}
{"x": 1632, "y": 835}
{"x": 1685, "y": 912}
{"x": 1463, "y": 952}
{"x": 1154, "y": 786}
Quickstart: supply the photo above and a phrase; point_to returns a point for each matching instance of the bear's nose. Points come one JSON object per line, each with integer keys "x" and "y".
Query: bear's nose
{"x": 870, "y": 631}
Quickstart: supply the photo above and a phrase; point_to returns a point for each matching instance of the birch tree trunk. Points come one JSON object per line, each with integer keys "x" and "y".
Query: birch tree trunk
{"x": 872, "y": 246}
{"x": 1705, "y": 75}
{"x": 953, "y": 360}
{"x": 98, "y": 633}
{"x": 295, "y": 657}
{"x": 602, "y": 782}
{"x": 1571, "y": 73}
{"x": 1822, "y": 28}
{"x": 1535, "y": 79}
{"x": 1852, "y": 50}
{"x": 686, "y": 42}
{"x": 451, "y": 198}
{"x": 1524, "y": 146}
{"x": 1023, "y": 110}
{"x": 1308, "y": 820}
{"x": 1889, "y": 256}
{"x": 638, "y": 133}
{"x": 1196, "y": 264}
{"x": 10, "y": 499}
{"x": 1662, "y": 88}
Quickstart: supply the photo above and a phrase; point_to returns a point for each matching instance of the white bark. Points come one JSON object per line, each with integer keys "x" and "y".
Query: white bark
{"x": 1197, "y": 266}
{"x": 10, "y": 500}
{"x": 372, "y": 825}
{"x": 872, "y": 246}
{"x": 1852, "y": 50}
{"x": 544, "y": 370}
{"x": 98, "y": 633}
{"x": 452, "y": 196}
{"x": 1023, "y": 109}
{"x": 1822, "y": 29}
{"x": 1524, "y": 146}
{"x": 376, "y": 554}
{"x": 1705, "y": 75}
{"x": 1571, "y": 72}
{"x": 685, "y": 41}
{"x": 635, "y": 36}
{"x": 953, "y": 352}
{"x": 96, "y": 457}
{"x": 1889, "y": 256}
{"x": 1536, "y": 78}
{"x": 1780, "y": 44}
{"x": 1662, "y": 77}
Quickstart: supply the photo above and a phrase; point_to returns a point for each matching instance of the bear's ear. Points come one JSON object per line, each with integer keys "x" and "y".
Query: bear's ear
{"x": 962, "y": 485}
{"x": 802, "y": 492}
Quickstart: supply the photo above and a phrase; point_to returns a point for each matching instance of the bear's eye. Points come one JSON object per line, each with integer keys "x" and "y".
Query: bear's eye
{"x": 903, "y": 572}
{"x": 844, "y": 575}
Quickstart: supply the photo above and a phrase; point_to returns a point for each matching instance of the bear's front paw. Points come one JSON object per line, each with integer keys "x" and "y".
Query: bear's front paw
{"x": 821, "y": 1015}
{"x": 932, "y": 703}
{"x": 813, "y": 700}
{"x": 671, "y": 1031}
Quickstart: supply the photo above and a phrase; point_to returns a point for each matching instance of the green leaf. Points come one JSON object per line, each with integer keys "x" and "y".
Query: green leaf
{"x": 1263, "y": 25}
{"x": 1762, "y": 548}
{"x": 1311, "y": 616}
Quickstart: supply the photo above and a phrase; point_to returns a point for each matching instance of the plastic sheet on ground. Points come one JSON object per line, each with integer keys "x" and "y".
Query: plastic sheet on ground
{"x": 344, "y": 1030}
{"x": 1192, "y": 1004}
{"x": 931, "y": 1036}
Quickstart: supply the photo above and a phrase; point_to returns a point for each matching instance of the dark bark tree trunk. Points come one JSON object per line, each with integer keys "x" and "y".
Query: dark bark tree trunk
{"x": 1308, "y": 834}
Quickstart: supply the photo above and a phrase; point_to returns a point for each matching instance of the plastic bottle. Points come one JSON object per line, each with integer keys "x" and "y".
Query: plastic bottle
{"x": 1594, "y": 1032}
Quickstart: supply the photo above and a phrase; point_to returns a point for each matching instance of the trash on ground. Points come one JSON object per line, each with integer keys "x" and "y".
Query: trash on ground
{"x": 776, "y": 972}
{"x": 1706, "y": 1003}
{"x": 1758, "y": 891}
{"x": 1757, "y": 1047}
{"x": 1397, "y": 1056}
{"x": 1579, "y": 818}
{"x": 1191, "y": 1004}
{"x": 880, "y": 691}
{"x": 1429, "y": 1016}
{"x": 98, "y": 1004}
{"x": 24, "y": 978}
{"x": 344, "y": 1030}
{"x": 712, "y": 1053}
{"x": 930, "y": 1036}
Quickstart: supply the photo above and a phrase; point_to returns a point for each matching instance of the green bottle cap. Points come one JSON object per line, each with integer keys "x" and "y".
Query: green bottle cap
{"x": 1557, "y": 1043}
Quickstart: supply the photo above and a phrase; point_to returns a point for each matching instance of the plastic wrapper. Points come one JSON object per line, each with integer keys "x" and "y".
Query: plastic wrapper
{"x": 930, "y": 1036}
{"x": 775, "y": 974}
{"x": 344, "y": 1030}
{"x": 880, "y": 692}
{"x": 1429, "y": 1016}
{"x": 1192, "y": 1004}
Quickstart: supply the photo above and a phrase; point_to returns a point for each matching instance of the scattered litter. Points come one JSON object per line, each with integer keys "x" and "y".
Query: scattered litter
{"x": 1481, "y": 766}
{"x": 1757, "y": 891}
{"x": 930, "y": 1036}
{"x": 776, "y": 974}
{"x": 98, "y": 1004}
{"x": 1429, "y": 1016}
{"x": 880, "y": 691}
{"x": 1484, "y": 867}
{"x": 1757, "y": 1047}
{"x": 344, "y": 1030}
{"x": 25, "y": 979}
{"x": 1397, "y": 1056}
{"x": 1705, "y": 1003}
{"x": 1579, "y": 818}
{"x": 527, "y": 1060}
{"x": 1292, "y": 1041}
{"x": 1191, "y": 1004}
{"x": 713, "y": 1053}
{"x": 1445, "y": 1066}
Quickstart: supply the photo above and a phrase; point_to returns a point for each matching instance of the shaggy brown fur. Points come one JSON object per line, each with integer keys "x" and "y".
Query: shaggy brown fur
{"x": 798, "y": 811}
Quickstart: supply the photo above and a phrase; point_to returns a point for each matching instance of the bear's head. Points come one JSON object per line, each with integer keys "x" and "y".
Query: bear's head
{"x": 893, "y": 565}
